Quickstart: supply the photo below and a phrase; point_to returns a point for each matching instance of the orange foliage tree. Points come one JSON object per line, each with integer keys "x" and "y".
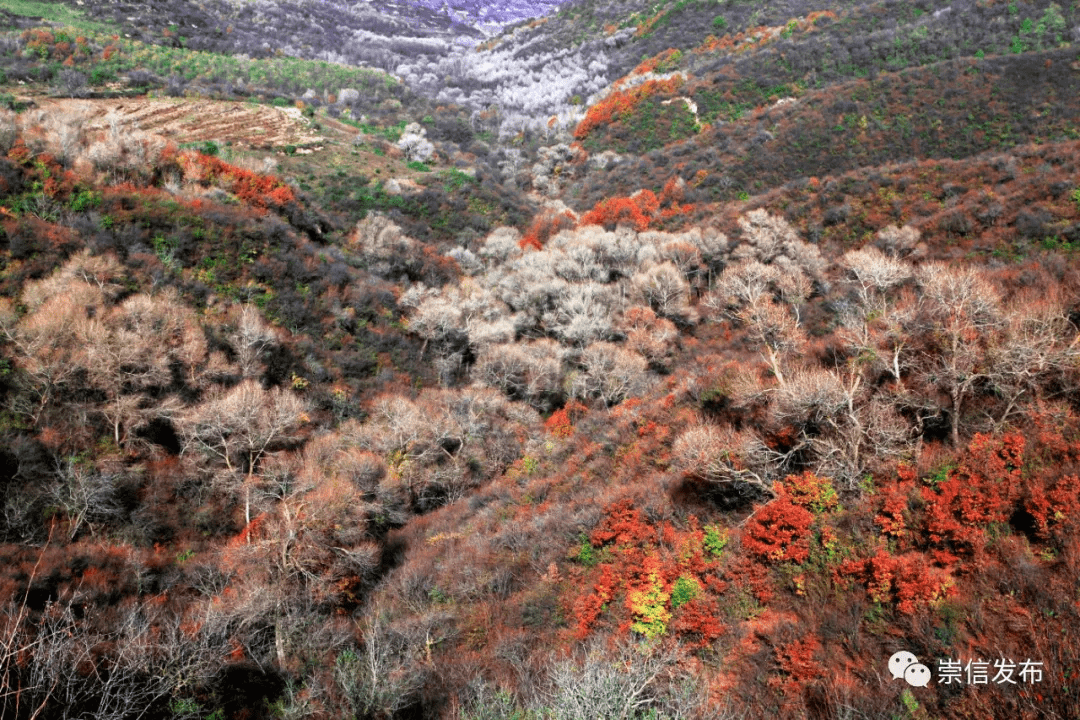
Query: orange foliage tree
{"x": 780, "y": 530}
{"x": 622, "y": 102}
{"x": 983, "y": 490}
{"x": 561, "y": 422}
{"x": 909, "y": 580}
{"x": 544, "y": 226}
{"x": 894, "y": 501}
{"x": 261, "y": 191}
{"x": 639, "y": 209}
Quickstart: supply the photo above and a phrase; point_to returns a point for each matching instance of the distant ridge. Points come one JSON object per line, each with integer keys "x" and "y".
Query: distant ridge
{"x": 490, "y": 15}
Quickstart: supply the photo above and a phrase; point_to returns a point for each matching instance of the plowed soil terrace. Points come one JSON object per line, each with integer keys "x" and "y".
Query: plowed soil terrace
{"x": 182, "y": 120}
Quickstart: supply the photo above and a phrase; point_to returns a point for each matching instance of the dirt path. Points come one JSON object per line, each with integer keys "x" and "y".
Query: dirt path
{"x": 240, "y": 123}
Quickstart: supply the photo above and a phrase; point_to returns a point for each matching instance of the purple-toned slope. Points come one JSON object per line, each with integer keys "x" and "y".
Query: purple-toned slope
{"x": 494, "y": 12}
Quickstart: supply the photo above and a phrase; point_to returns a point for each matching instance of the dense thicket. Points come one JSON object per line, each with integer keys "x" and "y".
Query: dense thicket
{"x": 779, "y": 378}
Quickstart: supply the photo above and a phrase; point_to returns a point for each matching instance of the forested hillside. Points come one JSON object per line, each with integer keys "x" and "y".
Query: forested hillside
{"x": 682, "y": 359}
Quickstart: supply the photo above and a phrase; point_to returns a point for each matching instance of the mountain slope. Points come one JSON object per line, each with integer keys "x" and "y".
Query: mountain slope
{"x": 643, "y": 360}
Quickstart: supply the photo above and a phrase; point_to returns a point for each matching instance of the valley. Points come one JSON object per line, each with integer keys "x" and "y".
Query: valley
{"x": 632, "y": 359}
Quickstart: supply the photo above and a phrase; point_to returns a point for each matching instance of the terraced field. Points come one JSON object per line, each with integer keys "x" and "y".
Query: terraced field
{"x": 244, "y": 125}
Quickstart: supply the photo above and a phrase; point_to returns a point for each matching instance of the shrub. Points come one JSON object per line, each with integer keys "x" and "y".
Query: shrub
{"x": 640, "y": 210}
{"x": 619, "y": 103}
{"x": 256, "y": 189}
{"x": 560, "y": 424}
{"x": 623, "y": 524}
{"x": 1057, "y": 508}
{"x": 779, "y": 531}
{"x": 894, "y": 504}
{"x": 684, "y": 590}
{"x": 544, "y": 226}
{"x": 649, "y": 603}
{"x": 715, "y": 540}
{"x": 812, "y": 492}
{"x": 663, "y": 62}
{"x": 588, "y": 607}
{"x": 72, "y": 83}
{"x": 610, "y": 372}
{"x": 909, "y": 580}
{"x": 981, "y": 491}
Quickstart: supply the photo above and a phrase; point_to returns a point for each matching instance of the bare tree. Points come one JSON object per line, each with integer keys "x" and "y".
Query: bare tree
{"x": 240, "y": 425}
{"x": 837, "y": 418}
{"x": 578, "y": 263}
{"x": 609, "y": 372}
{"x": 436, "y": 317}
{"x": 131, "y": 349}
{"x": 652, "y": 337}
{"x": 251, "y": 338}
{"x": 86, "y": 496}
{"x": 745, "y": 283}
{"x": 663, "y": 288}
{"x": 883, "y": 337}
{"x": 874, "y": 274}
{"x": 382, "y": 676}
{"x": 615, "y": 686}
{"x": 582, "y": 314}
{"x": 101, "y": 272}
{"x": 776, "y": 330}
{"x": 810, "y": 397}
{"x": 47, "y": 346}
{"x": 445, "y": 441}
{"x": 727, "y": 456}
{"x": 414, "y": 143}
{"x": 72, "y": 329}
{"x": 532, "y": 371}
{"x": 316, "y": 528}
{"x": 961, "y": 309}
{"x": 1038, "y": 344}
{"x": 793, "y": 287}
{"x": 684, "y": 255}
{"x": 68, "y": 678}
{"x": 898, "y": 242}
{"x": 770, "y": 239}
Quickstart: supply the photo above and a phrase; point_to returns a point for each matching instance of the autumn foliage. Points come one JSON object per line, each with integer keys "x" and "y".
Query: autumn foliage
{"x": 892, "y": 517}
{"x": 779, "y": 531}
{"x": 981, "y": 491}
{"x": 661, "y": 62}
{"x": 561, "y": 422}
{"x": 908, "y": 580}
{"x": 260, "y": 191}
{"x": 544, "y": 226}
{"x": 667, "y": 577}
{"x": 621, "y": 102}
{"x": 641, "y": 210}
{"x": 226, "y": 449}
